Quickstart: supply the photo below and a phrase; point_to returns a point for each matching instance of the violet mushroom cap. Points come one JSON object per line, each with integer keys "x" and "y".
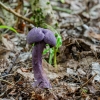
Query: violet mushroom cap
{"x": 39, "y": 34}
{"x": 35, "y": 35}
{"x": 49, "y": 37}
{"x": 40, "y": 37}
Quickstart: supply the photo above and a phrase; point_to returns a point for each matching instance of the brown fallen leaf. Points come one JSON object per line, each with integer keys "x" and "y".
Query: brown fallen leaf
{"x": 24, "y": 69}
{"x": 3, "y": 53}
{"x": 8, "y": 44}
{"x": 92, "y": 33}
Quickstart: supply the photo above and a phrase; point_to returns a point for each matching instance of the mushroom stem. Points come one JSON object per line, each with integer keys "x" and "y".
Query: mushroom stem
{"x": 39, "y": 75}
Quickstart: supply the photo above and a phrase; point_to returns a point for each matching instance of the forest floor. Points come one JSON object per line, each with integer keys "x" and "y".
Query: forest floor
{"x": 77, "y": 75}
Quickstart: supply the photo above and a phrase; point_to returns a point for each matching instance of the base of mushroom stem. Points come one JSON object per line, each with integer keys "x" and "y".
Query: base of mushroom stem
{"x": 42, "y": 85}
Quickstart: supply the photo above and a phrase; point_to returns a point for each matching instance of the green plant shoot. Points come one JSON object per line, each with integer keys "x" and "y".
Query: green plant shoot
{"x": 54, "y": 50}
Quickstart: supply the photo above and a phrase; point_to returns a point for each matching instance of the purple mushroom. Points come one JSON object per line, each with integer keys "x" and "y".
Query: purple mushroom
{"x": 40, "y": 37}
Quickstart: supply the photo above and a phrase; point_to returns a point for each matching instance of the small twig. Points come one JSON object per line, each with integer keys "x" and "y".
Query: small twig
{"x": 13, "y": 63}
{"x": 74, "y": 78}
{"x": 88, "y": 81}
{"x": 7, "y": 75}
{"x": 79, "y": 78}
{"x": 55, "y": 97}
{"x": 62, "y": 9}
{"x": 10, "y": 66}
{"x": 16, "y": 14}
{"x": 6, "y": 82}
{"x": 2, "y": 94}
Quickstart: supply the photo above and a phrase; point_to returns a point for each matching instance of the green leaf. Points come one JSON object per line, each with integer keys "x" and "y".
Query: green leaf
{"x": 45, "y": 51}
{"x": 84, "y": 90}
{"x": 63, "y": 1}
{"x": 59, "y": 40}
{"x": 10, "y": 28}
{"x": 51, "y": 55}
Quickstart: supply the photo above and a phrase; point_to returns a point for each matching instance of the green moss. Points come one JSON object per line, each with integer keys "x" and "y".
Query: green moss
{"x": 38, "y": 17}
{"x": 56, "y": 25}
{"x": 35, "y": 2}
{"x": 48, "y": 3}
